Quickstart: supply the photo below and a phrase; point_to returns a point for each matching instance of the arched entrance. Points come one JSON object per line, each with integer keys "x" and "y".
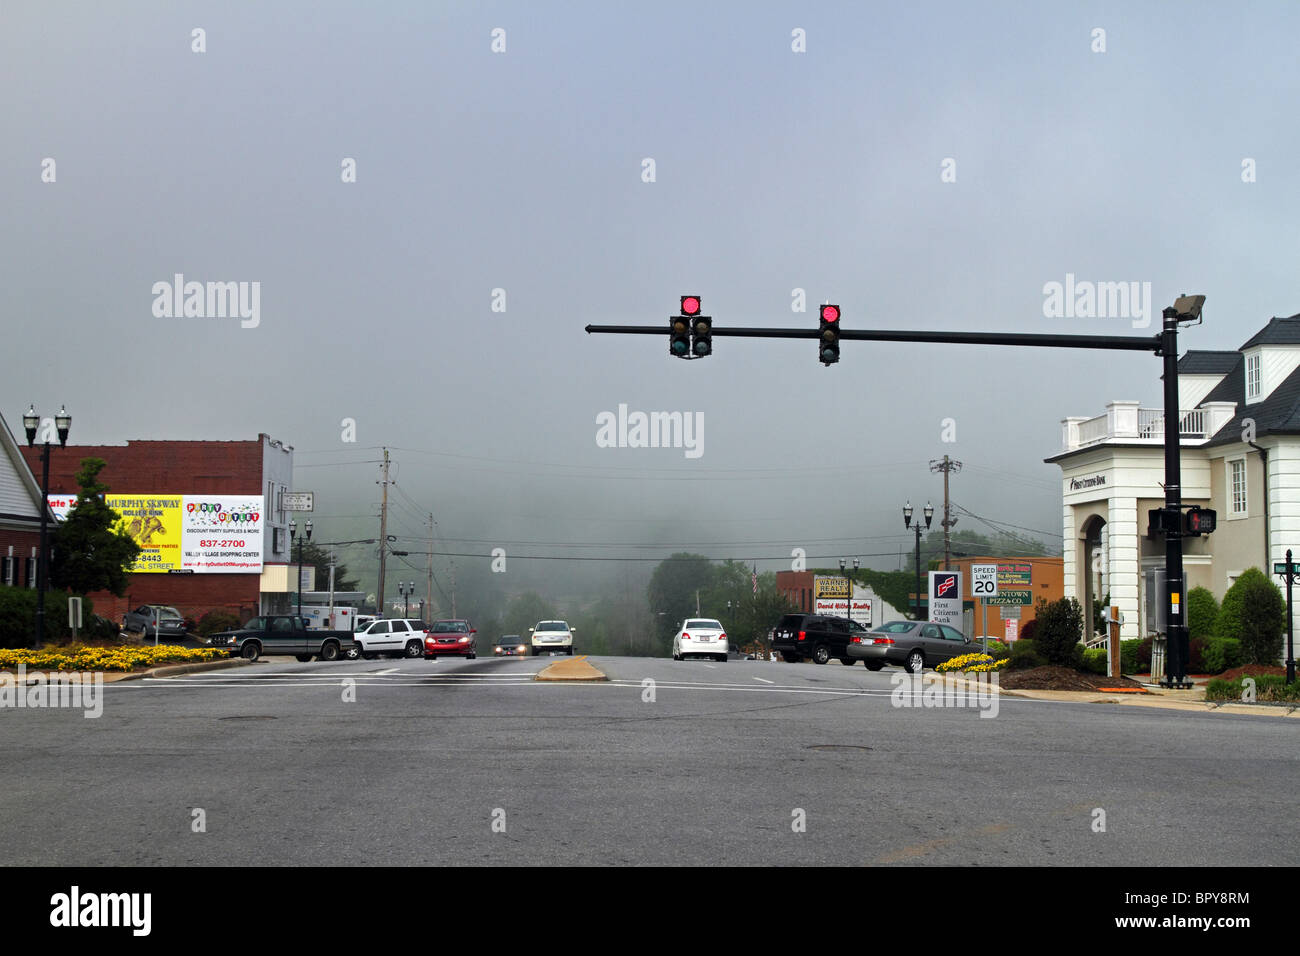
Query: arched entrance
{"x": 1094, "y": 570}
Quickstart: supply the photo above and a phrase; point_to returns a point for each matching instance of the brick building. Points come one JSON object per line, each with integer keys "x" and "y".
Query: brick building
{"x": 263, "y": 467}
{"x": 20, "y": 513}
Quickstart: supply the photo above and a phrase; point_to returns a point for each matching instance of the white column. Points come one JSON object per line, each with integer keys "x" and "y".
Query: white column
{"x": 1124, "y": 543}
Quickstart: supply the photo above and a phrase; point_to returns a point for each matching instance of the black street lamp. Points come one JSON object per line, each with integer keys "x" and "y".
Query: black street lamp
{"x": 406, "y": 590}
{"x": 293, "y": 534}
{"x": 907, "y": 523}
{"x": 31, "y": 423}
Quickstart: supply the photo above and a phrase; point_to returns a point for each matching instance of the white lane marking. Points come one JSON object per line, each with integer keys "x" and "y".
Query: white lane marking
{"x": 391, "y": 670}
{"x": 711, "y": 666}
{"x": 764, "y": 680}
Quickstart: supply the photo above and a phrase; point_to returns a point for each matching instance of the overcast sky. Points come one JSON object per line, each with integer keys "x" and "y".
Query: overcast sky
{"x": 523, "y": 171}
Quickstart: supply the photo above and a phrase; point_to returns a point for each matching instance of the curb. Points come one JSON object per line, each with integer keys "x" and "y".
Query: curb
{"x": 574, "y": 670}
{"x": 176, "y": 670}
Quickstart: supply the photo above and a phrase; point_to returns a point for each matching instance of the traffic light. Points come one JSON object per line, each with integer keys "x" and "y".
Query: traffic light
{"x": 829, "y": 347}
{"x": 690, "y": 335}
{"x": 702, "y": 336}
{"x": 1199, "y": 521}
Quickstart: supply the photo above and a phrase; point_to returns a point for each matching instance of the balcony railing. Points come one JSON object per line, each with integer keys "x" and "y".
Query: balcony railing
{"x": 1126, "y": 421}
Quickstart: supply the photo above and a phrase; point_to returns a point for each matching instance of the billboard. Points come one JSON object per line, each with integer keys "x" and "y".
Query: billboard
{"x": 187, "y": 534}
{"x": 826, "y": 586}
{"x": 834, "y": 607}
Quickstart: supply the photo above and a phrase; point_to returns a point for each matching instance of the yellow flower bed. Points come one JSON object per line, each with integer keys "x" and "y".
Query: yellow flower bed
{"x": 973, "y": 664}
{"x": 106, "y": 658}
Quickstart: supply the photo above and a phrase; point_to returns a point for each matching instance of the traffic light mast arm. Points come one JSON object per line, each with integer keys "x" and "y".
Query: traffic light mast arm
{"x": 1131, "y": 343}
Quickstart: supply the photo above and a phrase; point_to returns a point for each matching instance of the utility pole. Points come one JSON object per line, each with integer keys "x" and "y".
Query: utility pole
{"x": 946, "y": 466}
{"x": 383, "y": 540}
{"x": 453, "y": 589}
{"x": 428, "y": 591}
{"x": 331, "y": 617}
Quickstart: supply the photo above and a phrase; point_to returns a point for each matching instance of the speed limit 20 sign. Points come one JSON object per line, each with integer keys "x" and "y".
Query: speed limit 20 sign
{"x": 984, "y": 580}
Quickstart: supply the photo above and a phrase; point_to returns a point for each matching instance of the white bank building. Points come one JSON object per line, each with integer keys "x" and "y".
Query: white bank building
{"x": 1239, "y": 424}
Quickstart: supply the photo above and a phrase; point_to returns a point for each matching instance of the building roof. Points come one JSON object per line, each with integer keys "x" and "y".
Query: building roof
{"x": 1277, "y": 414}
{"x": 20, "y": 495}
{"x": 1279, "y": 331}
{"x": 1207, "y": 363}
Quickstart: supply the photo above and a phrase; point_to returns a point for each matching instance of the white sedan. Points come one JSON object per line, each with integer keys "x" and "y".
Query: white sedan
{"x": 701, "y": 637}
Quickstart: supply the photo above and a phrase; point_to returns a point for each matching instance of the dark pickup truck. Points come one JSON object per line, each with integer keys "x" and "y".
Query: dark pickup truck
{"x": 283, "y": 635}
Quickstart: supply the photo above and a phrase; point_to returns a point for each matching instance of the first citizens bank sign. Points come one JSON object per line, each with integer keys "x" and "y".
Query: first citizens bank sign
{"x": 945, "y": 598}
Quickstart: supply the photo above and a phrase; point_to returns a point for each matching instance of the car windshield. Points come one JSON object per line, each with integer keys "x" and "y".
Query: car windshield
{"x": 703, "y": 623}
{"x": 509, "y": 639}
{"x": 169, "y": 614}
{"x": 450, "y": 627}
{"x": 897, "y": 627}
{"x": 551, "y": 626}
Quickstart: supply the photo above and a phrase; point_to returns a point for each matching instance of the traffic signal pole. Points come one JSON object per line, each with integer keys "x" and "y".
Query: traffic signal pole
{"x": 1165, "y": 345}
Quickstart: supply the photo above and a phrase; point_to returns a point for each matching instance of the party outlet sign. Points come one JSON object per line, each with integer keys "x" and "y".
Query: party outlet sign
{"x": 945, "y": 598}
{"x": 187, "y": 534}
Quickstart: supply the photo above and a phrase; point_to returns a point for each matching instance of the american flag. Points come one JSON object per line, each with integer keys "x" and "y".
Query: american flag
{"x": 754, "y": 579}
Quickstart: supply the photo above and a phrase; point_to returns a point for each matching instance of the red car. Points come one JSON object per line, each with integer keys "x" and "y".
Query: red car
{"x": 450, "y": 639}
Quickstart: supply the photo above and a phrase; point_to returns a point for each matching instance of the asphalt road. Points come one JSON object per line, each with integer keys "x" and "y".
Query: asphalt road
{"x": 721, "y": 766}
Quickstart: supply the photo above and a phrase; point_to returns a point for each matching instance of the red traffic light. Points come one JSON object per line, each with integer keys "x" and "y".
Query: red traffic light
{"x": 690, "y": 305}
{"x": 830, "y": 313}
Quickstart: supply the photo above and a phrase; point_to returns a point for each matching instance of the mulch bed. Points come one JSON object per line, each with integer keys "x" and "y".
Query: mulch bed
{"x": 1252, "y": 670}
{"x": 1053, "y": 677}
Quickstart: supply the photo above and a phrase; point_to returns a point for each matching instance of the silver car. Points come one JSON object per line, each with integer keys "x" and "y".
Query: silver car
{"x": 155, "y": 618}
{"x": 913, "y": 645}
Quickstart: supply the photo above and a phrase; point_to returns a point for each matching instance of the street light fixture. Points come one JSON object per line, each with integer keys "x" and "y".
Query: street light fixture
{"x": 293, "y": 534}
{"x": 31, "y": 423}
{"x": 907, "y": 523}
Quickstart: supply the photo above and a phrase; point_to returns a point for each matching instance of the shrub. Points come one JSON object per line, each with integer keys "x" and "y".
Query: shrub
{"x": 1144, "y": 655}
{"x": 1253, "y": 613}
{"x": 1094, "y": 660}
{"x": 1128, "y": 656}
{"x": 1024, "y": 655}
{"x": 1028, "y": 631}
{"x": 1202, "y": 611}
{"x": 1060, "y": 629}
{"x": 1221, "y": 654}
{"x": 998, "y": 650}
{"x": 215, "y": 621}
{"x": 1196, "y": 656}
{"x": 18, "y": 616}
{"x": 1268, "y": 688}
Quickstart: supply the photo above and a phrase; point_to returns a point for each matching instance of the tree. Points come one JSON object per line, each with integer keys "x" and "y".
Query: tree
{"x": 1202, "y": 612}
{"x": 524, "y": 611}
{"x": 1254, "y": 613}
{"x": 91, "y": 551}
{"x": 316, "y": 556}
{"x": 1059, "y": 631}
{"x": 672, "y": 592}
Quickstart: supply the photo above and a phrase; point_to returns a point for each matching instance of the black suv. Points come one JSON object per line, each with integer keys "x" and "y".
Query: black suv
{"x": 816, "y": 636}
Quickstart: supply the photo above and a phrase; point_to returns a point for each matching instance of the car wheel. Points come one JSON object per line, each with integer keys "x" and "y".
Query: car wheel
{"x": 791, "y": 658}
{"x": 303, "y": 658}
{"x": 329, "y": 651}
{"x": 915, "y": 662}
{"x": 872, "y": 666}
{"x": 250, "y": 651}
{"x": 413, "y": 649}
{"x": 677, "y": 657}
{"x": 473, "y": 656}
{"x": 821, "y": 654}
{"x": 846, "y": 661}
{"x": 352, "y": 653}
{"x": 368, "y": 655}
{"x": 570, "y": 651}
{"x": 722, "y": 658}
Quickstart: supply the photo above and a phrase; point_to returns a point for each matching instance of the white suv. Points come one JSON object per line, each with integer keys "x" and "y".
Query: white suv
{"x": 701, "y": 637}
{"x": 403, "y": 636}
{"x": 552, "y": 636}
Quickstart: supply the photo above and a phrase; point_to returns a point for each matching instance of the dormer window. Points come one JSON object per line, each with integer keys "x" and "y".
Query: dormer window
{"x": 1254, "y": 381}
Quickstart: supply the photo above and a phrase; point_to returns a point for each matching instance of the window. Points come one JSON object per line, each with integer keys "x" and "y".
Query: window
{"x": 952, "y": 635}
{"x": 7, "y": 574}
{"x": 31, "y": 572}
{"x": 1253, "y": 382}
{"x": 1237, "y": 487}
{"x": 282, "y": 624}
{"x": 930, "y": 630}
{"x": 379, "y": 627}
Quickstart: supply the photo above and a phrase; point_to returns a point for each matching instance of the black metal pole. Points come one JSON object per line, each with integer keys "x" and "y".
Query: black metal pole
{"x": 300, "y": 577}
{"x": 1175, "y": 595}
{"x": 918, "y": 571}
{"x": 42, "y": 561}
{"x": 1290, "y": 653}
